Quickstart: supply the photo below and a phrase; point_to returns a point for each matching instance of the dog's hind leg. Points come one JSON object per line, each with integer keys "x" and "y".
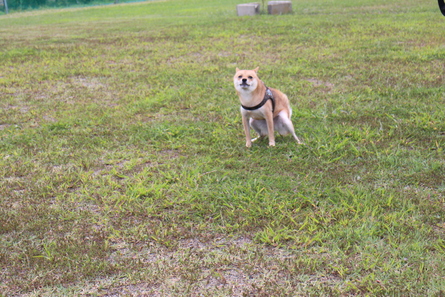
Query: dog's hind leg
{"x": 284, "y": 126}
{"x": 260, "y": 127}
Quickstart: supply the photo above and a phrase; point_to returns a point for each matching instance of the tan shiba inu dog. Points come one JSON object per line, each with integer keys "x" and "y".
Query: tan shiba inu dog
{"x": 265, "y": 109}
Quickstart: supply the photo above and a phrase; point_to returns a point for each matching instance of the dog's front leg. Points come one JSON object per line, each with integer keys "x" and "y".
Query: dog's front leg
{"x": 246, "y": 129}
{"x": 270, "y": 128}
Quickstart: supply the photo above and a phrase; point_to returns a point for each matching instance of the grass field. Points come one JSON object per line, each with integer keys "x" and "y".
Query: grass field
{"x": 124, "y": 172}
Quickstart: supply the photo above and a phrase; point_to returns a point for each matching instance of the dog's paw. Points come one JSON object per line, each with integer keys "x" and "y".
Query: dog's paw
{"x": 272, "y": 143}
{"x": 248, "y": 144}
{"x": 298, "y": 139}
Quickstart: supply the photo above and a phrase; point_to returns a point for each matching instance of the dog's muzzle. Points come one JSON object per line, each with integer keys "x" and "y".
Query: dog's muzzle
{"x": 244, "y": 83}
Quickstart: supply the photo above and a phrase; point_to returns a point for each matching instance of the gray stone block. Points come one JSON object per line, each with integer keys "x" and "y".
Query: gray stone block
{"x": 248, "y": 9}
{"x": 279, "y": 7}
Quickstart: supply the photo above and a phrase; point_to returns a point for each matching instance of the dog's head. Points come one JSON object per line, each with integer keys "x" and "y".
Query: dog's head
{"x": 246, "y": 80}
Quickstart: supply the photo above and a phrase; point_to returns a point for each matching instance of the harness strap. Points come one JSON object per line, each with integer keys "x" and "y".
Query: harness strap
{"x": 267, "y": 96}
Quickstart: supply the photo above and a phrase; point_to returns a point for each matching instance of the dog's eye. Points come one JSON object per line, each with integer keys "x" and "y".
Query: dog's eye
{"x": 250, "y": 77}
{"x": 240, "y": 76}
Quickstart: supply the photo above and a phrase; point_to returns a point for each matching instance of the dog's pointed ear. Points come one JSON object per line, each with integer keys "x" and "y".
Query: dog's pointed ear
{"x": 237, "y": 69}
{"x": 256, "y": 69}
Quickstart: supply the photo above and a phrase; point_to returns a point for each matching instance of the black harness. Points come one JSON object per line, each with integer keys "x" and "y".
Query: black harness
{"x": 267, "y": 96}
{"x": 442, "y": 6}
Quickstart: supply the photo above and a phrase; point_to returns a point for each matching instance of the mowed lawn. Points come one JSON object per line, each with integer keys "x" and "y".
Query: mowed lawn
{"x": 124, "y": 171}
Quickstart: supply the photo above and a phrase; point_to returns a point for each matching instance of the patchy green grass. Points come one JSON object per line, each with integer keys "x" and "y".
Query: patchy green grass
{"x": 123, "y": 169}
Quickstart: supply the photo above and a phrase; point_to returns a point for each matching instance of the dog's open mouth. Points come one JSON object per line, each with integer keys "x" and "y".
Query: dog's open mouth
{"x": 244, "y": 85}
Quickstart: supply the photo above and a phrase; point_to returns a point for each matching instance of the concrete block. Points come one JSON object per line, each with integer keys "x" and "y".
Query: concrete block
{"x": 248, "y": 9}
{"x": 279, "y": 7}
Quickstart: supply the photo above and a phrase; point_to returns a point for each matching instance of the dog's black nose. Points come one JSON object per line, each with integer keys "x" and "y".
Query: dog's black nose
{"x": 244, "y": 80}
